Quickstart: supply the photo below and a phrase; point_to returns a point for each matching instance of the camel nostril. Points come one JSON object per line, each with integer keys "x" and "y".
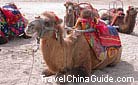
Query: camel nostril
{"x": 69, "y": 10}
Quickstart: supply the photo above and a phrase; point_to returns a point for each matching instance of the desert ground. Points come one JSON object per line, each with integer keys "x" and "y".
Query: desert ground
{"x": 19, "y": 65}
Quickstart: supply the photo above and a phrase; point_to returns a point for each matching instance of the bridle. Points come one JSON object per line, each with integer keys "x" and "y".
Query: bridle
{"x": 70, "y": 9}
{"x": 45, "y": 29}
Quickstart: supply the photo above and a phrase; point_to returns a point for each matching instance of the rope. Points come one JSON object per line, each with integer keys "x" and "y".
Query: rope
{"x": 82, "y": 31}
{"x": 136, "y": 21}
{"x": 33, "y": 52}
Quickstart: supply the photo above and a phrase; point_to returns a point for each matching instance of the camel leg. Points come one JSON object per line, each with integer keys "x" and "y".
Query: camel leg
{"x": 72, "y": 75}
{"x": 47, "y": 73}
{"x": 81, "y": 71}
{"x": 117, "y": 59}
{"x": 115, "y": 62}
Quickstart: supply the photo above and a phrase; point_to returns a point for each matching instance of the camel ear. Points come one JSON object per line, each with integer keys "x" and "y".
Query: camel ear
{"x": 65, "y": 4}
{"x": 60, "y": 21}
{"x": 38, "y": 17}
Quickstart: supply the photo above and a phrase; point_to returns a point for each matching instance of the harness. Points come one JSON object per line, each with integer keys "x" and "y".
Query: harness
{"x": 45, "y": 29}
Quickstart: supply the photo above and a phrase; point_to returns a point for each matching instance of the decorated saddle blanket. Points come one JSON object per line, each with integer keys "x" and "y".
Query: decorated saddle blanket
{"x": 3, "y": 26}
{"x": 102, "y": 38}
{"x": 106, "y": 34}
{"x": 14, "y": 19}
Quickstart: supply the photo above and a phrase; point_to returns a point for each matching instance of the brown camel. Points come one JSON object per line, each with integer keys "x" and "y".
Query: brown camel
{"x": 70, "y": 17}
{"x": 70, "y": 55}
{"x": 126, "y": 22}
{"x": 73, "y": 12}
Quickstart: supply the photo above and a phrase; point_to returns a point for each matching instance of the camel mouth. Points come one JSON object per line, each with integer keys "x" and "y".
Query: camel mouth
{"x": 29, "y": 33}
{"x": 136, "y": 9}
{"x": 133, "y": 12}
{"x": 29, "y": 30}
{"x": 70, "y": 9}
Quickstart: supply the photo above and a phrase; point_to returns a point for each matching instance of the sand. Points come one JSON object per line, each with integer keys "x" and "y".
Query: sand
{"x": 17, "y": 56}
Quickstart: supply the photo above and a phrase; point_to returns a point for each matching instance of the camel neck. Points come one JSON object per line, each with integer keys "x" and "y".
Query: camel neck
{"x": 129, "y": 21}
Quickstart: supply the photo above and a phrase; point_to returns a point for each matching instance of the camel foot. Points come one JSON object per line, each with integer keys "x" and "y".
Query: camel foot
{"x": 79, "y": 72}
{"x": 115, "y": 62}
{"x": 47, "y": 73}
{"x": 111, "y": 65}
{"x": 72, "y": 76}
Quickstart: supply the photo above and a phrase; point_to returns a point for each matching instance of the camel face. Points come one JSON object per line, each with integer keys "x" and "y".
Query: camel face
{"x": 47, "y": 25}
{"x": 69, "y": 7}
{"x": 40, "y": 27}
{"x": 127, "y": 23}
{"x": 132, "y": 11}
{"x": 32, "y": 28}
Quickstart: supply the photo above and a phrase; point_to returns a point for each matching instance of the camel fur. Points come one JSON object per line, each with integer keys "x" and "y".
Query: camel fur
{"x": 126, "y": 22}
{"x": 71, "y": 54}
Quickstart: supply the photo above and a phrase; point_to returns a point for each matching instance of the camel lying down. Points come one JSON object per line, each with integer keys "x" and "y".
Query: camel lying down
{"x": 126, "y": 22}
{"x": 71, "y": 55}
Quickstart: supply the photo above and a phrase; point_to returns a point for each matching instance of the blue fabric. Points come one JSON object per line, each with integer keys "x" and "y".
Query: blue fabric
{"x": 112, "y": 30}
{"x": 12, "y": 8}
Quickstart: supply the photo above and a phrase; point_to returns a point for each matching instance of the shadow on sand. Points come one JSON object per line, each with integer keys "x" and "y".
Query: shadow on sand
{"x": 17, "y": 42}
{"x": 122, "y": 74}
{"x": 134, "y": 34}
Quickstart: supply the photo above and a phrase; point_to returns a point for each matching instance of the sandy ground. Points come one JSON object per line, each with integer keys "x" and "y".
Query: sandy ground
{"x": 16, "y": 57}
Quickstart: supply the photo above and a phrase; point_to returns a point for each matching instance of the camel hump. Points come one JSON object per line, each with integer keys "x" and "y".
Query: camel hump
{"x": 52, "y": 16}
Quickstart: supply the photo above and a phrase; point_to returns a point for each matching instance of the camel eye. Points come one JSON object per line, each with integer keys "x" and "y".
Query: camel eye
{"x": 30, "y": 25}
{"x": 47, "y": 24}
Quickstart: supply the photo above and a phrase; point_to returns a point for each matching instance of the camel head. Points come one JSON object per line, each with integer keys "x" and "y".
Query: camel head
{"x": 127, "y": 23}
{"x": 88, "y": 14}
{"x": 34, "y": 26}
{"x": 132, "y": 11}
{"x": 70, "y": 7}
{"x": 41, "y": 26}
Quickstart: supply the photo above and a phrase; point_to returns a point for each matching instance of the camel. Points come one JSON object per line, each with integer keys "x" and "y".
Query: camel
{"x": 73, "y": 12}
{"x": 126, "y": 22}
{"x": 70, "y": 17}
{"x": 71, "y": 54}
